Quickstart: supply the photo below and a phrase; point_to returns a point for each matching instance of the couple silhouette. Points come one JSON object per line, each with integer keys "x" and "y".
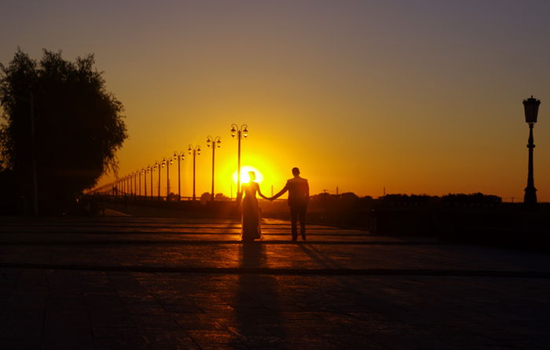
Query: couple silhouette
{"x": 298, "y": 198}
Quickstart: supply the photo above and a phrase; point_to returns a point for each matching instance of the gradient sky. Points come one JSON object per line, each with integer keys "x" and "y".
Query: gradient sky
{"x": 420, "y": 97}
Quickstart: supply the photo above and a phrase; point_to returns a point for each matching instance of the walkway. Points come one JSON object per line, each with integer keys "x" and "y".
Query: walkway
{"x": 145, "y": 283}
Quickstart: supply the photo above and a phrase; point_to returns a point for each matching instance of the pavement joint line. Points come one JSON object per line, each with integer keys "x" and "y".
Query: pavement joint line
{"x": 287, "y": 271}
{"x": 213, "y": 242}
{"x": 73, "y": 233}
{"x": 100, "y": 229}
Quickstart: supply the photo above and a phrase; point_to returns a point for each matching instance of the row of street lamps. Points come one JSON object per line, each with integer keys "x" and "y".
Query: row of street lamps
{"x": 531, "y": 106}
{"x": 131, "y": 184}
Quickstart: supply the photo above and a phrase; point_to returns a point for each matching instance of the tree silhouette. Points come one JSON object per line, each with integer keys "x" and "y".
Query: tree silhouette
{"x": 60, "y": 116}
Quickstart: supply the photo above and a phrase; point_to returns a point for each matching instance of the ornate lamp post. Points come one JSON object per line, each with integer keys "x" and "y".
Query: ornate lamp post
{"x": 157, "y": 166}
{"x": 179, "y": 156}
{"x": 144, "y": 172}
{"x": 137, "y": 179}
{"x": 167, "y": 162}
{"x": 130, "y": 185}
{"x": 215, "y": 142}
{"x": 125, "y": 179}
{"x": 531, "y": 106}
{"x": 195, "y": 151}
{"x": 138, "y": 183}
{"x": 150, "y": 169}
{"x": 240, "y": 132}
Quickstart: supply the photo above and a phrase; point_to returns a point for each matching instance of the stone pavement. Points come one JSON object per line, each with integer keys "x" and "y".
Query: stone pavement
{"x": 154, "y": 283}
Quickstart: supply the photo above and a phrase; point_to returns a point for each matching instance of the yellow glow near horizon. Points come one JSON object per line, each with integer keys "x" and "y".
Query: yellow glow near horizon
{"x": 245, "y": 177}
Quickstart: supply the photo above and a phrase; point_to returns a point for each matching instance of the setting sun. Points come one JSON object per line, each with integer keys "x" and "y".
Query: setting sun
{"x": 244, "y": 174}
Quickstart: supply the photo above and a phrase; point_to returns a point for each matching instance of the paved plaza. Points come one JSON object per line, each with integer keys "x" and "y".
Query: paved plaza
{"x": 167, "y": 283}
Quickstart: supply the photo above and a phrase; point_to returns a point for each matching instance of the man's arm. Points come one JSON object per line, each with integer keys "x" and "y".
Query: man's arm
{"x": 280, "y": 193}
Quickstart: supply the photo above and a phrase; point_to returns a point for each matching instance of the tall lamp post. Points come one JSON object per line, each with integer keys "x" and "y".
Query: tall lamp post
{"x": 144, "y": 172}
{"x": 138, "y": 183}
{"x": 150, "y": 169}
{"x": 531, "y": 106}
{"x": 157, "y": 166}
{"x": 121, "y": 186}
{"x": 131, "y": 185}
{"x": 136, "y": 179}
{"x": 240, "y": 133}
{"x": 168, "y": 162}
{"x": 179, "y": 156}
{"x": 195, "y": 151}
{"x": 215, "y": 143}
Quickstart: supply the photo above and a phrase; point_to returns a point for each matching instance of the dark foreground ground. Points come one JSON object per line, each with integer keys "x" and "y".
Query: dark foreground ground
{"x": 146, "y": 283}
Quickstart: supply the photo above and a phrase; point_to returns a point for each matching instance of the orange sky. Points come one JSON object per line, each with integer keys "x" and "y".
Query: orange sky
{"x": 416, "y": 97}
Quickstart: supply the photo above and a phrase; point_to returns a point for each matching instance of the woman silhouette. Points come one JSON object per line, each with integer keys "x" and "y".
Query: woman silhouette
{"x": 250, "y": 210}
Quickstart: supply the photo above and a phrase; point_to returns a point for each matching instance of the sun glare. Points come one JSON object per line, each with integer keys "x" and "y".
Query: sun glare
{"x": 244, "y": 174}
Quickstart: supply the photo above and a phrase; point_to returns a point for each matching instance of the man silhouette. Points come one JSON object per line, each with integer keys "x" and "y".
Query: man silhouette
{"x": 298, "y": 197}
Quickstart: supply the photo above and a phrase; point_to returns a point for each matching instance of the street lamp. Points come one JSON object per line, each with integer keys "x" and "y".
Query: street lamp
{"x": 138, "y": 183}
{"x": 137, "y": 177}
{"x": 168, "y": 162}
{"x": 130, "y": 178}
{"x": 240, "y": 132}
{"x": 150, "y": 169}
{"x": 215, "y": 142}
{"x": 179, "y": 156}
{"x": 135, "y": 188}
{"x": 144, "y": 172}
{"x": 195, "y": 151}
{"x": 129, "y": 185}
{"x": 531, "y": 106}
{"x": 157, "y": 166}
